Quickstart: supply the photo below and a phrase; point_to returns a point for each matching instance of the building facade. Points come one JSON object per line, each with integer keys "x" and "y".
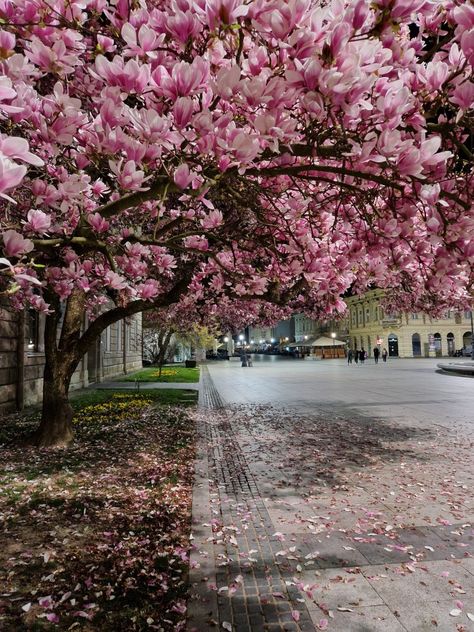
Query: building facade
{"x": 307, "y": 329}
{"x": 118, "y": 351}
{"x": 405, "y": 335}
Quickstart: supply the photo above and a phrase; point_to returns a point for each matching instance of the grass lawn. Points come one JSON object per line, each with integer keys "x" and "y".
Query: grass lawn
{"x": 169, "y": 373}
{"x": 96, "y": 537}
{"x": 164, "y": 396}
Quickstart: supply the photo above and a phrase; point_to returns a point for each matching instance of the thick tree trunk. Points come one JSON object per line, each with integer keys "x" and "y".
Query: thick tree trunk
{"x": 56, "y": 420}
{"x": 60, "y": 362}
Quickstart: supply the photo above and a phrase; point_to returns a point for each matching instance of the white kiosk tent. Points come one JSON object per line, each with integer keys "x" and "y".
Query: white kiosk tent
{"x": 322, "y": 347}
{"x": 325, "y": 347}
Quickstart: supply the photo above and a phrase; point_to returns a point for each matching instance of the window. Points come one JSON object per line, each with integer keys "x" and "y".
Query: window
{"x": 32, "y": 330}
{"x": 107, "y": 339}
{"x": 367, "y": 315}
{"x": 118, "y": 331}
{"x": 414, "y": 316}
{"x": 467, "y": 315}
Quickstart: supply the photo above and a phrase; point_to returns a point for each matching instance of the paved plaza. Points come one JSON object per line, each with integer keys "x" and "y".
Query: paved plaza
{"x": 334, "y": 497}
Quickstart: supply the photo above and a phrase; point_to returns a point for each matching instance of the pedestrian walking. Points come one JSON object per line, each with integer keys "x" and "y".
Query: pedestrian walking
{"x": 384, "y": 355}
{"x": 249, "y": 359}
{"x": 243, "y": 358}
{"x": 349, "y": 356}
{"x": 362, "y": 355}
{"x": 376, "y": 355}
{"x": 356, "y": 356}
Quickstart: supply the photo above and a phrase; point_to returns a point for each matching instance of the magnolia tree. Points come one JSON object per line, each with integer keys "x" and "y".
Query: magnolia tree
{"x": 178, "y": 152}
{"x": 159, "y": 334}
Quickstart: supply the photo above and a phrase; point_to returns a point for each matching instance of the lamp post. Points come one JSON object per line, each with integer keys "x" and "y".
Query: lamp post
{"x": 333, "y": 336}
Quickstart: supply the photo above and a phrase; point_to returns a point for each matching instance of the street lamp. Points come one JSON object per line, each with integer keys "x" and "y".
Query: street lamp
{"x": 241, "y": 338}
{"x": 226, "y": 338}
{"x": 272, "y": 341}
{"x": 333, "y": 336}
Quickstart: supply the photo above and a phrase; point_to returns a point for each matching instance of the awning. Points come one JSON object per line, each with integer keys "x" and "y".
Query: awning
{"x": 301, "y": 343}
{"x": 324, "y": 341}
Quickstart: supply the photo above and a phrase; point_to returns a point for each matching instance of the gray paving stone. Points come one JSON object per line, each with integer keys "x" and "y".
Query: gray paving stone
{"x": 239, "y": 470}
{"x": 434, "y": 615}
{"x": 430, "y": 581}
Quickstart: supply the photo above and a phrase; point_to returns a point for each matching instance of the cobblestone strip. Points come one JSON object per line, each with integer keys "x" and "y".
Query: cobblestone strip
{"x": 237, "y": 554}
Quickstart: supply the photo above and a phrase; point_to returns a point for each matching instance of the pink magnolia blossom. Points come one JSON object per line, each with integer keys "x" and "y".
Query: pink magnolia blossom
{"x": 182, "y": 176}
{"x": 183, "y": 25}
{"x": 38, "y": 221}
{"x": 11, "y": 175}
{"x": 98, "y": 223}
{"x": 141, "y": 43}
{"x": 15, "y": 245}
{"x": 17, "y": 148}
{"x": 115, "y": 281}
{"x": 148, "y": 290}
{"x": 212, "y": 219}
{"x": 6, "y": 90}
{"x": 463, "y": 95}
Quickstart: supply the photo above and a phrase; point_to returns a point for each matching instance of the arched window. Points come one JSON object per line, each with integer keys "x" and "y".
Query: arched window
{"x": 466, "y": 339}
{"x": 416, "y": 345}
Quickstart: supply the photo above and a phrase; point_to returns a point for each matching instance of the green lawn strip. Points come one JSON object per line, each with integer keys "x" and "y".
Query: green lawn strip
{"x": 164, "y": 396}
{"x": 170, "y": 373}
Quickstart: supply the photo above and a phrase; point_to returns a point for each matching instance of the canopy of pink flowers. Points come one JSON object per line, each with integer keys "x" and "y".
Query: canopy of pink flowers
{"x": 283, "y": 150}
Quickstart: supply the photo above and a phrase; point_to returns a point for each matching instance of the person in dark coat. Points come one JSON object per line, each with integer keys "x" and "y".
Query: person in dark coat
{"x": 356, "y": 356}
{"x": 384, "y": 355}
{"x": 349, "y": 356}
{"x": 362, "y": 355}
{"x": 376, "y": 355}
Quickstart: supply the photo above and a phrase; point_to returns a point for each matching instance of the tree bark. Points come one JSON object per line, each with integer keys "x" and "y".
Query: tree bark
{"x": 56, "y": 421}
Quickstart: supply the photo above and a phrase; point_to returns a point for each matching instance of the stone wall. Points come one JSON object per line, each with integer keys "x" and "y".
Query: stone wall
{"x": 21, "y": 374}
{"x": 8, "y": 359}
